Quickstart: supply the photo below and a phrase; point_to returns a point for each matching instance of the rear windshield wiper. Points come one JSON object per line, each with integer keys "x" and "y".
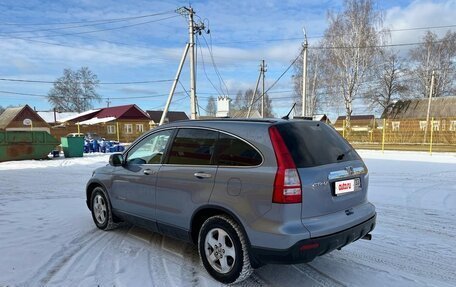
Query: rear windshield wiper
{"x": 342, "y": 155}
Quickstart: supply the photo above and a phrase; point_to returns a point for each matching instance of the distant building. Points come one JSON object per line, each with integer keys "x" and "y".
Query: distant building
{"x": 22, "y": 119}
{"x": 171, "y": 116}
{"x": 223, "y": 107}
{"x": 358, "y": 123}
{"x": 322, "y": 118}
{"x": 225, "y": 110}
{"x": 54, "y": 117}
{"x": 412, "y": 114}
{"x": 125, "y": 123}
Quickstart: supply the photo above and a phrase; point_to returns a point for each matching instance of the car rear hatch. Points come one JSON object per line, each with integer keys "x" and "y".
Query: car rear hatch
{"x": 333, "y": 177}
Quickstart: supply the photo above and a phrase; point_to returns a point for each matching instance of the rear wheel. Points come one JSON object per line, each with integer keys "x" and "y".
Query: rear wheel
{"x": 223, "y": 250}
{"x": 101, "y": 210}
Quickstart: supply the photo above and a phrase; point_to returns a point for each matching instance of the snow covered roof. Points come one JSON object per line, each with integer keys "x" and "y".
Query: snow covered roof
{"x": 94, "y": 121}
{"x": 49, "y": 116}
{"x": 79, "y": 115}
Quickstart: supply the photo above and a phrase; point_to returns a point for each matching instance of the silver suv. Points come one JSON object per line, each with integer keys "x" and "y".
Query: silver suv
{"x": 247, "y": 192}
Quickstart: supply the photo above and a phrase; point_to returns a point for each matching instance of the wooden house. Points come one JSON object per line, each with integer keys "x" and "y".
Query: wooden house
{"x": 124, "y": 123}
{"x": 171, "y": 116}
{"x": 412, "y": 114}
{"x": 358, "y": 123}
{"x": 22, "y": 119}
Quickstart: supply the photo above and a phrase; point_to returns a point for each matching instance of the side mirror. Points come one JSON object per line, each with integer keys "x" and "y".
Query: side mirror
{"x": 116, "y": 159}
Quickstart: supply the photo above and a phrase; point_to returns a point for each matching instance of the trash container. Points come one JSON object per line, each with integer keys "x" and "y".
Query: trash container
{"x": 19, "y": 145}
{"x": 72, "y": 146}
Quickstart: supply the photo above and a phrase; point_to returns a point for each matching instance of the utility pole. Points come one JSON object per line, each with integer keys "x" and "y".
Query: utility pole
{"x": 262, "y": 71}
{"x": 304, "y": 74}
{"x": 192, "y": 29}
{"x": 191, "y": 26}
{"x": 252, "y": 101}
{"x": 108, "y": 102}
{"x": 431, "y": 91}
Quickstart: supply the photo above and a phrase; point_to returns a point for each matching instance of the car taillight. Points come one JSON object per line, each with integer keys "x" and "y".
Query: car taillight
{"x": 287, "y": 184}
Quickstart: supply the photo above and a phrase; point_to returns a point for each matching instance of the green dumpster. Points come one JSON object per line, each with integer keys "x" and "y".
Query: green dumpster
{"x": 72, "y": 146}
{"x": 19, "y": 145}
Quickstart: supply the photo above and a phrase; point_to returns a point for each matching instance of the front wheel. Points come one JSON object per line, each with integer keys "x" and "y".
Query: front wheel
{"x": 223, "y": 250}
{"x": 101, "y": 210}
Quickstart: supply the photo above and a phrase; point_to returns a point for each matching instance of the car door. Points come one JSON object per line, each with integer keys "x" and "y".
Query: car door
{"x": 133, "y": 185}
{"x": 186, "y": 179}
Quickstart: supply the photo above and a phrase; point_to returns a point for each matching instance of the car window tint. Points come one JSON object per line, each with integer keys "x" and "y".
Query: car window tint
{"x": 193, "y": 147}
{"x": 150, "y": 150}
{"x": 232, "y": 151}
{"x": 312, "y": 143}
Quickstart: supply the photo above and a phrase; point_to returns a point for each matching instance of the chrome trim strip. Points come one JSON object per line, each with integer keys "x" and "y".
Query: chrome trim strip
{"x": 345, "y": 173}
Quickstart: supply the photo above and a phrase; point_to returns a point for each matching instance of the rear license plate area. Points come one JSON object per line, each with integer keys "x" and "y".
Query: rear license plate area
{"x": 347, "y": 186}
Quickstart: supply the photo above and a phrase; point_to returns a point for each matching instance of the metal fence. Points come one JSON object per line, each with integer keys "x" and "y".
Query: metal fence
{"x": 437, "y": 134}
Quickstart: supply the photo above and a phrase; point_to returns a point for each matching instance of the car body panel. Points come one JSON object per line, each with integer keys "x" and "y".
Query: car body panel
{"x": 179, "y": 192}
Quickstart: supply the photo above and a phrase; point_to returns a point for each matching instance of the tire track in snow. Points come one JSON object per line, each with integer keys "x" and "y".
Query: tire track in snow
{"x": 427, "y": 257}
{"x": 46, "y": 272}
{"x": 434, "y": 222}
{"x": 404, "y": 263}
{"x": 93, "y": 260}
{"x": 317, "y": 275}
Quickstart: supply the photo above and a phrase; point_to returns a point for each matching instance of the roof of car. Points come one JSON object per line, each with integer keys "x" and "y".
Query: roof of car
{"x": 229, "y": 120}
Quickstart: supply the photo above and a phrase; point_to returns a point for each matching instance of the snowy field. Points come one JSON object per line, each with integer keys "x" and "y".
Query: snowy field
{"x": 47, "y": 237}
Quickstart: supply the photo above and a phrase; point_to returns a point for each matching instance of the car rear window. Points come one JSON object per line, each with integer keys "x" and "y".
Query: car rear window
{"x": 314, "y": 143}
{"x": 234, "y": 152}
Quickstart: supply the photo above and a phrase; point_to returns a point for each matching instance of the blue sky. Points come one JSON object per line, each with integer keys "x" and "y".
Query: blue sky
{"x": 242, "y": 34}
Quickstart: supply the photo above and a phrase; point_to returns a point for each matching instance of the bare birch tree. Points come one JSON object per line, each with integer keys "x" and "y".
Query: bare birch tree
{"x": 211, "y": 108}
{"x": 74, "y": 91}
{"x": 438, "y": 55}
{"x": 350, "y": 50}
{"x": 388, "y": 85}
{"x": 314, "y": 81}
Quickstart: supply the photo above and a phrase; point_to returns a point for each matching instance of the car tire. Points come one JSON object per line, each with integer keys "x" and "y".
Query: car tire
{"x": 222, "y": 247}
{"x": 101, "y": 210}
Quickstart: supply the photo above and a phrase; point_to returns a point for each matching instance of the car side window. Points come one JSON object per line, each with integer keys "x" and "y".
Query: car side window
{"x": 150, "y": 150}
{"x": 232, "y": 151}
{"x": 193, "y": 147}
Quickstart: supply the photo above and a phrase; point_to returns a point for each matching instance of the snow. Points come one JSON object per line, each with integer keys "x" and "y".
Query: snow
{"x": 47, "y": 237}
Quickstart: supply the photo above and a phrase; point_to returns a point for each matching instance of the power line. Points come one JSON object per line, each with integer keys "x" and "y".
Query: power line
{"x": 93, "y": 31}
{"x": 87, "y": 49}
{"x": 188, "y": 96}
{"x": 162, "y": 106}
{"x": 102, "y": 98}
{"x": 204, "y": 69}
{"x": 284, "y": 72}
{"x": 22, "y": 94}
{"x": 368, "y": 46}
{"x": 85, "y": 24}
{"x": 321, "y": 36}
{"x": 101, "y": 83}
{"x": 87, "y": 21}
{"x": 215, "y": 66}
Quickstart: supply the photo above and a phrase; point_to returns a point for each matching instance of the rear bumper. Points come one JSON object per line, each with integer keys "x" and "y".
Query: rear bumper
{"x": 306, "y": 250}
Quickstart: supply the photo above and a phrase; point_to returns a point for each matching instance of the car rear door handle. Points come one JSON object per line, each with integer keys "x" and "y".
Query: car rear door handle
{"x": 202, "y": 175}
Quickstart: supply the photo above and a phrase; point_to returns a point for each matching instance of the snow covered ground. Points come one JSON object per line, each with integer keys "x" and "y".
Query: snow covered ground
{"x": 47, "y": 237}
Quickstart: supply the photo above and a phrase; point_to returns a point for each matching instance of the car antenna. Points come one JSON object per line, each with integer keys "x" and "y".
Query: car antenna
{"x": 288, "y": 115}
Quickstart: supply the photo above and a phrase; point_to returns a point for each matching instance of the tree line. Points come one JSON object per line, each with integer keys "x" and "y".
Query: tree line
{"x": 354, "y": 61}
